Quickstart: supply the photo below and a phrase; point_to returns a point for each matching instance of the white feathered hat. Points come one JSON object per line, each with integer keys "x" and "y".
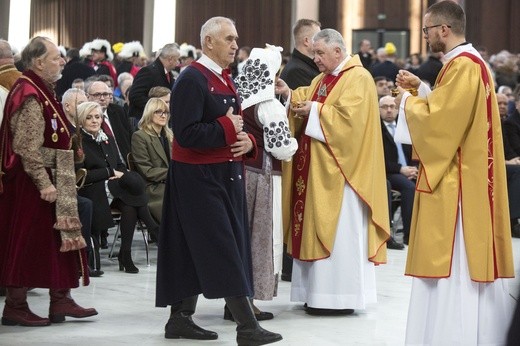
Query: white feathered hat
{"x": 63, "y": 51}
{"x": 131, "y": 49}
{"x": 188, "y": 51}
{"x": 104, "y": 45}
{"x": 86, "y": 50}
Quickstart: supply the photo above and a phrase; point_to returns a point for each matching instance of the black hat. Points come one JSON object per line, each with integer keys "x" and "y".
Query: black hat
{"x": 130, "y": 188}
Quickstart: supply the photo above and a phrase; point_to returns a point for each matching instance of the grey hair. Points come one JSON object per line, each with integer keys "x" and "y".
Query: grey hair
{"x": 169, "y": 50}
{"x": 35, "y": 49}
{"x": 71, "y": 94}
{"x": 5, "y": 50}
{"x": 212, "y": 26}
{"x": 331, "y": 38}
{"x": 123, "y": 76}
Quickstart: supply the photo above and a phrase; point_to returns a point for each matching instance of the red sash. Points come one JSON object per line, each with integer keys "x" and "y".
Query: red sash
{"x": 301, "y": 168}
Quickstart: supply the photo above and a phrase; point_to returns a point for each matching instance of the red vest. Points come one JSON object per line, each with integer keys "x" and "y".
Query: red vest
{"x": 56, "y": 133}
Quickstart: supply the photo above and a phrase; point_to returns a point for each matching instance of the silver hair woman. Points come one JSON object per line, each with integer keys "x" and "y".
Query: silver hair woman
{"x": 106, "y": 169}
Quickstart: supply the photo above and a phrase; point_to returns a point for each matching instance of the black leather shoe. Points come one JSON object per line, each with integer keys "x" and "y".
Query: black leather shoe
{"x": 260, "y": 316}
{"x": 392, "y": 244}
{"x": 182, "y": 326}
{"x": 95, "y": 273}
{"x": 328, "y": 312}
{"x": 286, "y": 277}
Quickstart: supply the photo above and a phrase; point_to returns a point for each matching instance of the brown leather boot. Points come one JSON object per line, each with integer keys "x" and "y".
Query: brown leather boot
{"x": 17, "y": 312}
{"x": 63, "y": 305}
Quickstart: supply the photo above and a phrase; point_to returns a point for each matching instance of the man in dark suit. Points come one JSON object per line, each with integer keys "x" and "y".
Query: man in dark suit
{"x": 157, "y": 74}
{"x": 300, "y": 71}
{"x": 399, "y": 172}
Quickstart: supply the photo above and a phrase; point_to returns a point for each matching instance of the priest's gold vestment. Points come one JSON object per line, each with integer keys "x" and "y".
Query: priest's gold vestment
{"x": 461, "y": 164}
{"x": 352, "y": 154}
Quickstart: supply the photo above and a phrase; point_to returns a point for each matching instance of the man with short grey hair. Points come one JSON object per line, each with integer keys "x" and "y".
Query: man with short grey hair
{"x": 159, "y": 73}
{"x": 335, "y": 210}
{"x": 204, "y": 244}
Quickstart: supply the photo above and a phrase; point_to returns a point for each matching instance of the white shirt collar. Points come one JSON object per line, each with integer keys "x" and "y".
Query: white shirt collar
{"x": 461, "y": 49}
{"x": 210, "y": 64}
{"x": 338, "y": 69}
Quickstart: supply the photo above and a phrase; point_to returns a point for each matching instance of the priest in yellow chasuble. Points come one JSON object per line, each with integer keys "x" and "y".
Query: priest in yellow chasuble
{"x": 334, "y": 191}
{"x": 460, "y": 242}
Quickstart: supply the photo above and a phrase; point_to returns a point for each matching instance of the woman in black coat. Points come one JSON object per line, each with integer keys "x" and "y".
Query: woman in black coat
{"x": 105, "y": 170}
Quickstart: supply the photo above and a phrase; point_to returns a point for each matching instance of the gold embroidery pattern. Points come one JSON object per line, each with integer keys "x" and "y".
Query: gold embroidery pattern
{"x": 298, "y": 217}
{"x": 488, "y": 90}
{"x": 300, "y": 185}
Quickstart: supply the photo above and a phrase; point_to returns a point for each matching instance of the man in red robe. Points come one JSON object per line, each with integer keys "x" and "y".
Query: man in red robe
{"x": 39, "y": 225}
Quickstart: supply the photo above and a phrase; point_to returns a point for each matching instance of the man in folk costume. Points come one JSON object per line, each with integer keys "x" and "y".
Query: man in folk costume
{"x": 37, "y": 175}
{"x": 334, "y": 195}
{"x": 204, "y": 244}
{"x": 131, "y": 56}
{"x": 460, "y": 240}
{"x": 101, "y": 59}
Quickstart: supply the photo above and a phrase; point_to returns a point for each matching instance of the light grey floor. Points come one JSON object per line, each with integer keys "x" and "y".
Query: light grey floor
{"x": 127, "y": 315}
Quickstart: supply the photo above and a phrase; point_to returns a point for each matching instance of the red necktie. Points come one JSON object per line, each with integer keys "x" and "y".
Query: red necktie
{"x": 168, "y": 77}
{"x": 106, "y": 128}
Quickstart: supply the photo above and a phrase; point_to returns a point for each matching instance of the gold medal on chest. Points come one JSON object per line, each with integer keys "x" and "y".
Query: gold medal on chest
{"x": 54, "y": 137}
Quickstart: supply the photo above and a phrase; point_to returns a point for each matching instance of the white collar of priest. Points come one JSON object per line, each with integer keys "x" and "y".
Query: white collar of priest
{"x": 338, "y": 69}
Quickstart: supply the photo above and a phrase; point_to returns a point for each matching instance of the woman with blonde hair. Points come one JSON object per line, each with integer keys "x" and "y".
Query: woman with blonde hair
{"x": 151, "y": 147}
{"x": 105, "y": 169}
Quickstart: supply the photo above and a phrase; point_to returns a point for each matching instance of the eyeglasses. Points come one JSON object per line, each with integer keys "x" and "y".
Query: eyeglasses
{"x": 100, "y": 95}
{"x": 426, "y": 28}
{"x": 387, "y": 106}
{"x": 160, "y": 113}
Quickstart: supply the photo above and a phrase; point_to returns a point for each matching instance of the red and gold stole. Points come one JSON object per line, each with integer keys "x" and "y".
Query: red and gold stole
{"x": 301, "y": 167}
